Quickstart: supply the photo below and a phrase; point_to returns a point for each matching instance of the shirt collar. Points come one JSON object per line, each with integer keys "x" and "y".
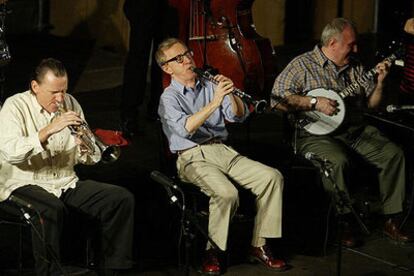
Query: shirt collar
{"x": 182, "y": 89}
{"x": 38, "y": 108}
{"x": 320, "y": 56}
{"x": 36, "y": 104}
{"x": 323, "y": 60}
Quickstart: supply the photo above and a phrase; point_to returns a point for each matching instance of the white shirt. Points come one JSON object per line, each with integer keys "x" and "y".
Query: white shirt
{"x": 23, "y": 159}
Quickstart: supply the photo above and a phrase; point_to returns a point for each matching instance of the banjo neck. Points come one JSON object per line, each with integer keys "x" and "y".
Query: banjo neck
{"x": 352, "y": 89}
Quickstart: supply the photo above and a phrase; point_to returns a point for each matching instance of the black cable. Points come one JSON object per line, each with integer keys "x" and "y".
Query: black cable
{"x": 41, "y": 237}
{"x": 325, "y": 243}
{"x": 183, "y": 208}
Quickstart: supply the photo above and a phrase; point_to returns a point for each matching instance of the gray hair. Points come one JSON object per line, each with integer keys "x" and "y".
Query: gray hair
{"x": 335, "y": 28}
{"x": 165, "y": 45}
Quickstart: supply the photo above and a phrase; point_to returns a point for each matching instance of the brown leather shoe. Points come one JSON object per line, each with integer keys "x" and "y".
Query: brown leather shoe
{"x": 264, "y": 256}
{"x": 211, "y": 264}
{"x": 348, "y": 236}
{"x": 391, "y": 229}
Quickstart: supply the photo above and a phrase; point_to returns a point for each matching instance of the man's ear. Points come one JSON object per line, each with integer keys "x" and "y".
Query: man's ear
{"x": 167, "y": 69}
{"x": 332, "y": 42}
{"x": 34, "y": 86}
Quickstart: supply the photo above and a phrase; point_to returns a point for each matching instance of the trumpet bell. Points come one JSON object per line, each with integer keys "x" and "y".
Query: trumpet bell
{"x": 109, "y": 153}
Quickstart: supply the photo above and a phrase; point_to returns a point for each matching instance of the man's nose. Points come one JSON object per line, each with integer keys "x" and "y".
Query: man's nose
{"x": 59, "y": 97}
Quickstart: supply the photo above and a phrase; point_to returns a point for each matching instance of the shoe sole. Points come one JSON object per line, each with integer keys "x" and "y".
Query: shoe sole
{"x": 208, "y": 273}
{"x": 255, "y": 260}
{"x": 394, "y": 241}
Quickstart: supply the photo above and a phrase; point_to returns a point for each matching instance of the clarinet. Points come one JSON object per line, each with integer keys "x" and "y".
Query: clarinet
{"x": 259, "y": 106}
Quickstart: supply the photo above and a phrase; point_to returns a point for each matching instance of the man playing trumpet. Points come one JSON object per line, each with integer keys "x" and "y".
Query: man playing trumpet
{"x": 193, "y": 114}
{"x": 39, "y": 152}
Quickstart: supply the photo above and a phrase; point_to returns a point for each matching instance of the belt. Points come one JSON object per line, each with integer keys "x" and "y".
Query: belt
{"x": 208, "y": 142}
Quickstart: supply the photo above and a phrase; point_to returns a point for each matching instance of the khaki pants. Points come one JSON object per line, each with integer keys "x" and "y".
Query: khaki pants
{"x": 211, "y": 167}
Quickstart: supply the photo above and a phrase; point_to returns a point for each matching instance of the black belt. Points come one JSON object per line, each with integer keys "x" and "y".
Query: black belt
{"x": 208, "y": 142}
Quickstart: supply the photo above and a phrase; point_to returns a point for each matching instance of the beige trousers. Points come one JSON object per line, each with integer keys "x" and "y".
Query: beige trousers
{"x": 211, "y": 167}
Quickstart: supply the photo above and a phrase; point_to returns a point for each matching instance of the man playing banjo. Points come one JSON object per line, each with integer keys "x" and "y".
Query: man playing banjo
{"x": 332, "y": 67}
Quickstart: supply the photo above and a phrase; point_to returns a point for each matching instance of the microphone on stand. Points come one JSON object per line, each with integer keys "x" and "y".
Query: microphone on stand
{"x": 167, "y": 183}
{"x": 322, "y": 161}
{"x": 392, "y": 108}
{"x": 20, "y": 202}
{"x": 23, "y": 205}
{"x": 313, "y": 157}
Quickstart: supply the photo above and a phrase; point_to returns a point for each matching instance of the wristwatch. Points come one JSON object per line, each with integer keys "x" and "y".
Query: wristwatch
{"x": 313, "y": 102}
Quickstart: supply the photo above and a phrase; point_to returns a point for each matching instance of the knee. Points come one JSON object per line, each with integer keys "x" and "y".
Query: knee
{"x": 271, "y": 178}
{"x": 53, "y": 210}
{"x": 395, "y": 153}
{"x": 120, "y": 195}
{"x": 340, "y": 161}
{"x": 275, "y": 176}
{"x": 392, "y": 156}
{"x": 227, "y": 193}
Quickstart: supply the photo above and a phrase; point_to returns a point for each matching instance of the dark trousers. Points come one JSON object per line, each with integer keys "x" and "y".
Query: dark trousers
{"x": 150, "y": 22}
{"x": 374, "y": 148}
{"x": 112, "y": 206}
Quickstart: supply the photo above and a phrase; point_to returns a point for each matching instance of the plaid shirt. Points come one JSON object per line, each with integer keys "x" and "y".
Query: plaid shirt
{"x": 313, "y": 70}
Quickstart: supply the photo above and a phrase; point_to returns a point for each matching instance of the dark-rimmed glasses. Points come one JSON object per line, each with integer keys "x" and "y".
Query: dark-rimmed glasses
{"x": 180, "y": 58}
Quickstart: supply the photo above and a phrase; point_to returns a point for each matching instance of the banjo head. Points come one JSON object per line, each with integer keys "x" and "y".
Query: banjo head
{"x": 320, "y": 123}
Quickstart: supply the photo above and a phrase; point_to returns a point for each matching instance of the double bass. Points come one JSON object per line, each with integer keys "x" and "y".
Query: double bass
{"x": 222, "y": 36}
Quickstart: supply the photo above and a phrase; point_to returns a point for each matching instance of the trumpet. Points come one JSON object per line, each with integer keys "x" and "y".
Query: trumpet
{"x": 259, "y": 106}
{"x": 109, "y": 153}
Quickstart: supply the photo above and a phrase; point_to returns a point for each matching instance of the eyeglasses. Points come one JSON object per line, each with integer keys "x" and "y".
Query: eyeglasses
{"x": 180, "y": 58}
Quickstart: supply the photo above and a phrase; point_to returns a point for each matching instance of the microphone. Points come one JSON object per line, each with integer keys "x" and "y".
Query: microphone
{"x": 323, "y": 162}
{"x": 167, "y": 183}
{"x": 20, "y": 202}
{"x": 391, "y": 108}
{"x": 313, "y": 157}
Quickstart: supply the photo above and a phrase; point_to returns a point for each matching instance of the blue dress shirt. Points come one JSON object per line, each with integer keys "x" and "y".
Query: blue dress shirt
{"x": 178, "y": 102}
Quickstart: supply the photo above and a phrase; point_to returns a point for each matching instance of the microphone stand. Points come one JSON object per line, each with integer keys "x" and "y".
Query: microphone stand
{"x": 188, "y": 218}
{"x": 47, "y": 248}
{"x": 341, "y": 201}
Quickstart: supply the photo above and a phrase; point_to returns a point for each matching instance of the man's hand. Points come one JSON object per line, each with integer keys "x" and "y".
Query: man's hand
{"x": 409, "y": 26}
{"x": 382, "y": 69}
{"x": 83, "y": 148}
{"x": 58, "y": 124}
{"x": 63, "y": 121}
{"x": 326, "y": 106}
{"x": 224, "y": 87}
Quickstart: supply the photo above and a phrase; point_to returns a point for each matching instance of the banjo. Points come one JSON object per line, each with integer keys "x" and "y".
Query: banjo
{"x": 318, "y": 123}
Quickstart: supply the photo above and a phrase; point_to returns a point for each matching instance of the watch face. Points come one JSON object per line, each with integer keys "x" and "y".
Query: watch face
{"x": 313, "y": 100}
